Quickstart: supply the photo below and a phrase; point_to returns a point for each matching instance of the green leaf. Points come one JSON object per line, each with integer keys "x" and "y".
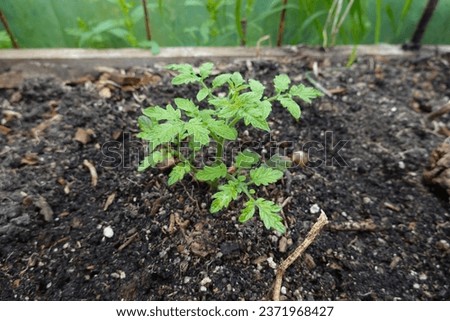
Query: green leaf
{"x": 246, "y": 159}
{"x": 198, "y": 131}
{"x": 162, "y": 133}
{"x": 222, "y": 199}
{"x": 181, "y": 68}
{"x": 184, "y": 79}
{"x": 268, "y": 212}
{"x": 151, "y": 160}
{"x": 248, "y": 98}
{"x": 211, "y": 173}
{"x": 145, "y": 123}
{"x": 219, "y": 102}
{"x": 305, "y": 93}
{"x": 279, "y": 162}
{"x": 157, "y": 113}
{"x": 237, "y": 79}
{"x": 221, "y": 129}
{"x": 202, "y": 94}
{"x": 220, "y": 80}
{"x": 247, "y": 212}
{"x": 281, "y": 83}
{"x": 206, "y": 69}
{"x": 254, "y": 117}
{"x": 291, "y": 106}
{"x": 186, "y": 105}
{"x": 256, "y": 87}
{"x": 265, "y": 107}
{"x": 265, "y": 175}
{"x": 205, "y": 115}
{"x": 178, "y": 173}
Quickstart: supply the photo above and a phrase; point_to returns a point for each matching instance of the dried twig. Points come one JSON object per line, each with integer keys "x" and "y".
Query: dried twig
{"x": 312, "y": 235}
{"x": 8, "y": 31}
{"x": 258, "y": 44}
{"x": 128, "y": 241}
{"x": 281, "y": 25}
{"x": 92, "y": 171}
{"x": 147, "y": 20}
{"x": 440, "y": 112}
{"x": 317, "y": 85}
{"x": 361, "y": 226}
{"x": 286, "y": 201}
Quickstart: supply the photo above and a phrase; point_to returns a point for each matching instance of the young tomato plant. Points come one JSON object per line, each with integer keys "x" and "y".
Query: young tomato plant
{"x": 211, "y": 121}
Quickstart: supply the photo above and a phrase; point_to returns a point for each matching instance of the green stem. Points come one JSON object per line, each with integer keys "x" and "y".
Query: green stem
{"x": 244, "y": 188}
{"x": 237, "y": 17}
{"x": 234, "y": 121}
{"x": 184, "y": 160}
{"x": 220, "y": 146}
{"x": 210, "y": 94}
{"x": 273, "y": 98}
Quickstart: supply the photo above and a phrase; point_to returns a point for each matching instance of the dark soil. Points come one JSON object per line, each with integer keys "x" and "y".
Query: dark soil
{"x": 388, "y": 237}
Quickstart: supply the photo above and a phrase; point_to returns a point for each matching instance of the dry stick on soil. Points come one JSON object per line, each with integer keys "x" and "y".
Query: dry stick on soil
{"x": 281, "y": 26}
{"x": 440, "y": 112}
{"x": 128, "y": 241}
{"x": 8, "y": 31}
{"x": 92, "y": 171}
{"x": 317, "y": 85}
{"x": 147, "y": 20}
{"x": 312, "y": 235}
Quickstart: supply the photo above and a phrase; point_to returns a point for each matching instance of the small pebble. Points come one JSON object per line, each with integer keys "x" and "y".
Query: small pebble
{"x": 271, "y": 263}
{"x": 314, "y": 209}
{"x": 416, "y": 286}
{"x": 367, "y": 200}
{"x": 108, "y": 232}
{"x": 422, "y": 277}
{"x": 283, "y": 290}
{"x": 187, "y": 279}
{"x": 203, "y": 289}
{"x": 401, "y": 165}
{"x": 205, "y": 281}
{"x": 443, "y": 245}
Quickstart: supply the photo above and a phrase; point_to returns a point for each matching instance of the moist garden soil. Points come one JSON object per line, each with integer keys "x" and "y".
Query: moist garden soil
{"x": 388, "y": 236}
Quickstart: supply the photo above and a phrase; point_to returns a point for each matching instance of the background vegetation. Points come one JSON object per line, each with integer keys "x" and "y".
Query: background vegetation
{"x": 121, "y": 23}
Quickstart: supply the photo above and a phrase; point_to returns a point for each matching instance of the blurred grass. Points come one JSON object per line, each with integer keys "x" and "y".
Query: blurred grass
{"x": 61, "y": 23}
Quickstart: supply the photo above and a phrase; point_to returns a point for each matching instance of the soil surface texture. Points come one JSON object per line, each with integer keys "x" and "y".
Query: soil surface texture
{"x": 78, "y": 222}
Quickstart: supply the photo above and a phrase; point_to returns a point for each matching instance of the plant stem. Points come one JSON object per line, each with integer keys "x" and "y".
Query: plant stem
{"x": 282, "y": 23}
{"x": 378, "y": 21}
{"x": 244, "y": 32}
{"x": 422, "y": 25}
{"x": 220, "y": 145}
{"x": 147, "y": 20}
{"x": 8, "y": 31}
{"x": 273, "y": 98}
{"x": 237, "y": 17}
{"x": 234, "y": 121}
{"x": 244, "y": 188}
